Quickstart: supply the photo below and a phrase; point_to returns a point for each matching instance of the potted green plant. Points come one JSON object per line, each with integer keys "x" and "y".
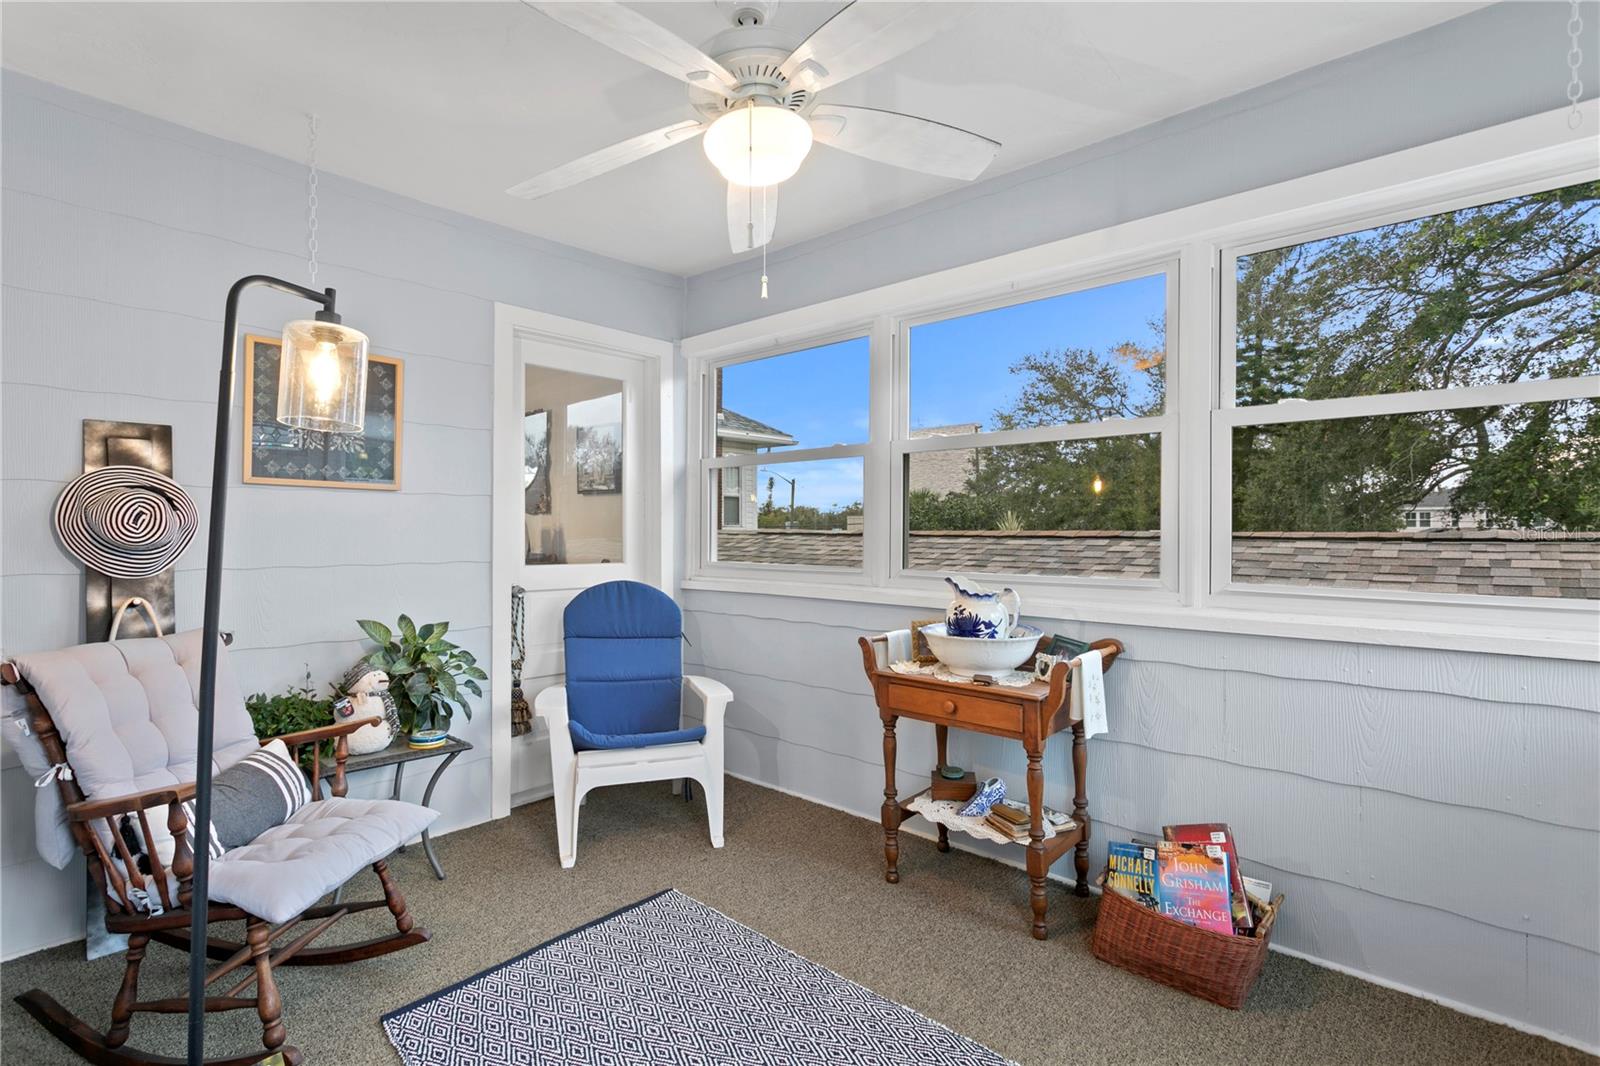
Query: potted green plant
{"x": 429, "y": 677}
{"x": 298, "y": 708}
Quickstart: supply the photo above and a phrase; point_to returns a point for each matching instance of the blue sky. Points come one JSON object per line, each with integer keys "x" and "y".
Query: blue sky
{"x": 959, "y": 373}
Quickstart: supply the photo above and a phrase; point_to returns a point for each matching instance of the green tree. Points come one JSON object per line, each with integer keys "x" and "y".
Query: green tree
{"x": 1483, "y": 295}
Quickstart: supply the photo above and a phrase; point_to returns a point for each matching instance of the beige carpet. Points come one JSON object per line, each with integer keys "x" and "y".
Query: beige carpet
{"x": 810, "y": 878}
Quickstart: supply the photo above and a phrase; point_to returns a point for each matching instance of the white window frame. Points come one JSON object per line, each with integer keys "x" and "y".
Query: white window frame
{"x": 706, "y": 462}
{"x": 902, "y": 444}
{"x": 1473, "y": 168}
{"x": 1313, "y": 224}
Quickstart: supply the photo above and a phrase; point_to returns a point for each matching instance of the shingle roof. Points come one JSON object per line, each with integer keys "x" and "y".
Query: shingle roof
{"x": 1478, "y": 562}
{"x": 746, "y": 426}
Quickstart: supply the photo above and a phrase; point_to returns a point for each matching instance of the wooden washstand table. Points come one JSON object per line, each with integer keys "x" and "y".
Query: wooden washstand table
{"x": 1029, "y": 714}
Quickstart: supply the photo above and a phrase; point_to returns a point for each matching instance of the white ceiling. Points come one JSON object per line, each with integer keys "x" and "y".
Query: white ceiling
{"x": 451, "y": 103}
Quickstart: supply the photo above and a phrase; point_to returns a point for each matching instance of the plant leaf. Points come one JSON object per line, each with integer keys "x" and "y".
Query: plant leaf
{"x": 408, "y": 628}
{"x": 425, "y": 633}
{"x": 376, "y": 630}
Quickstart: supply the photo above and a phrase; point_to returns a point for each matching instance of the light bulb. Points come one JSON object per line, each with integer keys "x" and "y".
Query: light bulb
{"x": 322, "y": 372}
{"x": 1098, "y": 486}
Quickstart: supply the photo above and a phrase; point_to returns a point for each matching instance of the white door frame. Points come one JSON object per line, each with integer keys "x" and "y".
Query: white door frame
{"x": 655, "y": 419}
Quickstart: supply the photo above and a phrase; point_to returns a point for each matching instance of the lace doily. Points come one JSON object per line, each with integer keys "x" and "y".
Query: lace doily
{"x": 947, "y": 812}
{"x": 941, "y": 672}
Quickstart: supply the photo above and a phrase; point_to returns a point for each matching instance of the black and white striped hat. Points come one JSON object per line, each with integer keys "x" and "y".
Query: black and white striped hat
{"x": 126, "y": 521}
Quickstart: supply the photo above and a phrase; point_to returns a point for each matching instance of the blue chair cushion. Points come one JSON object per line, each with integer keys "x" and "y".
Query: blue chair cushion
{"x": 624, "y": 667}
{"x": 583, "y": 740}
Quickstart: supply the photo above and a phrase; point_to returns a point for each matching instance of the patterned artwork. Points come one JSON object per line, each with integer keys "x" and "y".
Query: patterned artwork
{"x": 669, "y": 980}
{"x": 276, "y": 454}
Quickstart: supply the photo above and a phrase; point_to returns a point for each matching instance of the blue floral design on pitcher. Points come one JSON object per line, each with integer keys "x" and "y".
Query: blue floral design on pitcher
{"x": 975, "y": 612}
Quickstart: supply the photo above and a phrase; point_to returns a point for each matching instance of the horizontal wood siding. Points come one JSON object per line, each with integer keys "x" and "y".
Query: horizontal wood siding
{"x": 1434, "y": 817}
{"x": 122, "y": 235}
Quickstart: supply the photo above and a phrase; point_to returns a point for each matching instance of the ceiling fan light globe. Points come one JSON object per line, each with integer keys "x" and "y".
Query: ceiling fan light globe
{"x": 758, "y": 145}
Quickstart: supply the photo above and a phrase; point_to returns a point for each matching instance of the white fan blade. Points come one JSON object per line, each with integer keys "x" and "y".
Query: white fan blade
{"x": 862, "y": 36}
{"x": 624, "y": 30}
{"x": 749, "y": 224}
{"x": 903, "y": 140}
{"x": 617, "y": 155}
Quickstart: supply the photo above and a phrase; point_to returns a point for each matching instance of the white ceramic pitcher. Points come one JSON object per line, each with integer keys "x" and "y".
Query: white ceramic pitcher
{"x": 977, "y": 612}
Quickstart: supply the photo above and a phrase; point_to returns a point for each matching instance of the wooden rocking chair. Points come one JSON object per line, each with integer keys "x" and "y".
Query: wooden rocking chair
{"x": 115, "y": 727}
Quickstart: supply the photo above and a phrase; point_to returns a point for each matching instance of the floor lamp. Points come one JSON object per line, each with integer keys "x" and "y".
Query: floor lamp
{"x": 322, "y": 386}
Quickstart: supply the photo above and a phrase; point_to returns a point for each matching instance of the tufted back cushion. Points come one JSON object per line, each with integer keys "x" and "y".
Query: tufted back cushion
{"x": 126, "y": 712}
{"x": 624, "y": 660}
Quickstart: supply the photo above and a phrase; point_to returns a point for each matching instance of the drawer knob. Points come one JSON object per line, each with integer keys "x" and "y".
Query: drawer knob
{"x": 949, "y": 706}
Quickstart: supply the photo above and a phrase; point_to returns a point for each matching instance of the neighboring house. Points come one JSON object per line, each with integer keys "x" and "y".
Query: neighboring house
{"x": 947, "y": 471}
{"x": 1433, "y": 511}
{"x": 740, "y": 435}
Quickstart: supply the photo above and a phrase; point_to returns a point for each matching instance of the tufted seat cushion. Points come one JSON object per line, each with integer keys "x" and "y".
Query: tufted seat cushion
{"x": 126, "y": 715}
{"x": 322, "y": 845}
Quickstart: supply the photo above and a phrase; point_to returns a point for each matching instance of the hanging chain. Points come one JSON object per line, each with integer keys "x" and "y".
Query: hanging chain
{"x": 1574, "y": 62}
{"x": 521, "y": 713}
{"x": 311, "y": 201}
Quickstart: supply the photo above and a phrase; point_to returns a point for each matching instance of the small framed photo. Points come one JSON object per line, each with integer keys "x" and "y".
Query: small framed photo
{"x": 1065, "y": 647}
{"x": 1042, "y": 664}
{"x": 920, "y": 650}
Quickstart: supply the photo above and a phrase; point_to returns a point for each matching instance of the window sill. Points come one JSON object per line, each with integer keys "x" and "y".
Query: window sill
{"x": 1576, "y": 637}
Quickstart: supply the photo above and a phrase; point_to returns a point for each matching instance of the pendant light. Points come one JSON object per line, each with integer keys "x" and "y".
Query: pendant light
{"x": 322, "y": 369}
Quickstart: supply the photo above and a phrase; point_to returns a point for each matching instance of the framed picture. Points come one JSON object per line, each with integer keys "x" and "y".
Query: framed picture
{"x": 1065, "y": 647}
{"x": 597, "y": 444}
{"x": 536, "y": 462}
{"x": 276, "y": 454}
{"x": 920, "y": 650}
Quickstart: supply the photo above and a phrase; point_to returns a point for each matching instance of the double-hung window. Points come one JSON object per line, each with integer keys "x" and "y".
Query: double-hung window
{"x": 1409, "y": 408}
{"x": 787, "y": 440}
{"x": 1033, "y": 434}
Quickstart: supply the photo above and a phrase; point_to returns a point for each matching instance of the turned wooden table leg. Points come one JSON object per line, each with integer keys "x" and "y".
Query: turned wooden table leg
{"x": 942, "y": 735}
{"x": 1037, "y": 866}
{"x": 891, "y": 806}
{"x": 1080, "y": 807}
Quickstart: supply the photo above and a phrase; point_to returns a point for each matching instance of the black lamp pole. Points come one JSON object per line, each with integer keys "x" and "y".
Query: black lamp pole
{"x": 208, "y": 647}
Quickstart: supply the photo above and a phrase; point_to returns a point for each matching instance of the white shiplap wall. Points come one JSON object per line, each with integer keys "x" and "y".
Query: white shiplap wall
{"x": 1432, "y": 816}
{"x": 122, "y": 235}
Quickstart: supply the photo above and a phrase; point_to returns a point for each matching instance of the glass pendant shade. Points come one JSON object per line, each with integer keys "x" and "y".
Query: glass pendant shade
{"x": 322, "y": 377}
{"x": 758, "y": 144}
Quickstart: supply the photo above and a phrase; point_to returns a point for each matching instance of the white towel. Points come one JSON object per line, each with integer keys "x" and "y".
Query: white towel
{"x": 1088, "y": 697}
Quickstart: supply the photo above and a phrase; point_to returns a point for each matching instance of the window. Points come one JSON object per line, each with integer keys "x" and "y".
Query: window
{"x": 1360, "y": 405}
{"x": 808, "y": 510}
{"x": 1363, "y": 453}
{"x": 1035, "y": 441}
{"x": 572, "y": 468}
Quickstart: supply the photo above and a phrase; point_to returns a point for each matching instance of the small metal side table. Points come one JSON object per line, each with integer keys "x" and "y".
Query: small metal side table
{"x": 397, "y": 754}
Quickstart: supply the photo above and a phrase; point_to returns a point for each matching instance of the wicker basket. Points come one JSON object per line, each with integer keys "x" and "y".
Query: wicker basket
{"x": 1210, "y": 965}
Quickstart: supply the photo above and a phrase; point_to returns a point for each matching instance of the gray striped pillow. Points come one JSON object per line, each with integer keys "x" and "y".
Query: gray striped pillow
{"x": 254, "y": 794}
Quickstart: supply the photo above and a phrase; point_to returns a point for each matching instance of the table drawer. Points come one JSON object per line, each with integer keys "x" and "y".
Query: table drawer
{"x": 967, "y": 710}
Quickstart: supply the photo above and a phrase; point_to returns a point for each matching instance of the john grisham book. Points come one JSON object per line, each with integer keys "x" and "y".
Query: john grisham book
{"x": 1192, "y": 885}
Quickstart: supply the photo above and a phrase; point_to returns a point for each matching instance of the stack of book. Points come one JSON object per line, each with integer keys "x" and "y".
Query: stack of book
{"x": 1193, "y": 875}
{"x": 1015, "y": 822}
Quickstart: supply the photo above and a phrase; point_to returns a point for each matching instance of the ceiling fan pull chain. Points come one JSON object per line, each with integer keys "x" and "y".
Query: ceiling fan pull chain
{"x": 764, "y": 243}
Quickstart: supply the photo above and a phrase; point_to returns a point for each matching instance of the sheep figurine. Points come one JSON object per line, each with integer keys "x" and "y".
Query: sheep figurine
{"x": 367, "y": 692}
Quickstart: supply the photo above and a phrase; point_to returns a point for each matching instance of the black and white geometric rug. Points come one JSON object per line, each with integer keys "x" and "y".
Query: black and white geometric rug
{"x": 668, "y": 980}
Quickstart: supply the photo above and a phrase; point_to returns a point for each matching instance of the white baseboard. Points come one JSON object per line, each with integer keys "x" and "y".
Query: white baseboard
{"x": 1463, "y": 1008}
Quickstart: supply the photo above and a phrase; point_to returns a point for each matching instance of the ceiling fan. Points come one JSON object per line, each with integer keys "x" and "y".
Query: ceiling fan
{"x": 758, "y": 100}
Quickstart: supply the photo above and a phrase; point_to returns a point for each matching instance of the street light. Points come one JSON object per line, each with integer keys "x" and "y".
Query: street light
{"x": 772, "y": 474}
